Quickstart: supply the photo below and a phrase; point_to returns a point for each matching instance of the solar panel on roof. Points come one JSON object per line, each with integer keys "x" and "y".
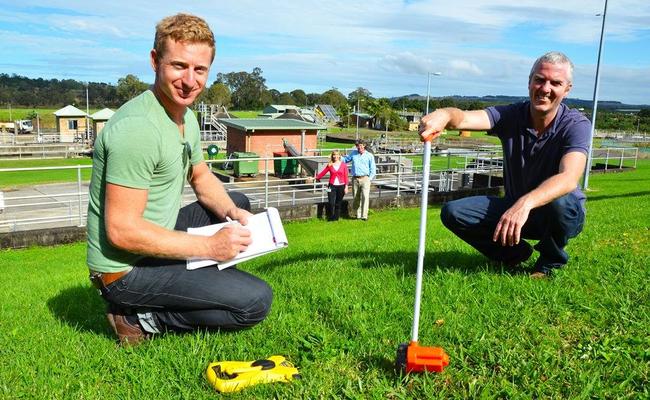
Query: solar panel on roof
{"x": 329, "y": 111}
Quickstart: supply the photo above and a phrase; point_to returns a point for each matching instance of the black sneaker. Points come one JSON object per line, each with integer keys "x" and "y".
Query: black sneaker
{"x": 520, "y": 259}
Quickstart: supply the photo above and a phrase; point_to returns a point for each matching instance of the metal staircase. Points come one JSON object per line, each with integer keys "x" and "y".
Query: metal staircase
{"x": 211, "y": 128}
{"x": 220, "y": 130}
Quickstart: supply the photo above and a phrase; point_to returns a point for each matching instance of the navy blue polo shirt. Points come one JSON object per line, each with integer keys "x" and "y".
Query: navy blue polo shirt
{"x": 529, "y": 160}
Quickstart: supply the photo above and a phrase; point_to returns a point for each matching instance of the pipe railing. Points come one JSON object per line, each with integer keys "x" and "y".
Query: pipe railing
{"x": 617, "y": 155}
{"x": 66, "y": 204}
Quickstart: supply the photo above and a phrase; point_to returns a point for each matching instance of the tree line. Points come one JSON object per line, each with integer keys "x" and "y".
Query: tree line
{"x": 248, "y": 91}
{"x": 236, "y": 90}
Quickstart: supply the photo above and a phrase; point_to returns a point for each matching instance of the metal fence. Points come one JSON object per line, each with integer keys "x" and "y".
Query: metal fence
{"x": 42, "y": 206}
{"x": 44, "y": 136}
{"x": 614, "y": 158}
{"x": 65, "y": 204}
{"x": 42, "y": 151}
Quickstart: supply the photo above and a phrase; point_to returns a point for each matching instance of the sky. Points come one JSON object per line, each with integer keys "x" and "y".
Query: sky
{"x": 479, "y": 47}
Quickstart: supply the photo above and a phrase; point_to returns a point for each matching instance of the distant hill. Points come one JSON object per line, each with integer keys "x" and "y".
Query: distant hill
{"x": 499, "y": 99}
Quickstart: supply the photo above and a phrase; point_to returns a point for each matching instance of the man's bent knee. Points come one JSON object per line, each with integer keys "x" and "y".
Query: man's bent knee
{"x": 448, "y": 215}
{"x": 559, "y": 205}
{"x": 258, "y": 307}
{"x": 567, "y": 214}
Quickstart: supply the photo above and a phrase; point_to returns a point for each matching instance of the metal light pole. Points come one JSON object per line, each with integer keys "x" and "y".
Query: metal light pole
{"x": 357, "y": 136}
{"x": 429, "y": 86}
{"x": 38, "y": 129}
{"x": 585, "y": 183}
{"x": 87, "y": 119}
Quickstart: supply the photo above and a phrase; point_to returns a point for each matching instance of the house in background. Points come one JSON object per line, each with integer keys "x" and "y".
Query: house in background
{"x": 412, "y": 117}
{"x": 71, "y": 123}
{"x": 100, "y": 118}
{"x": 299, "y": 115}
{"x": 362, "y": 120}
{"x": 275, "y": 110}
{"x": 265, "y": 136}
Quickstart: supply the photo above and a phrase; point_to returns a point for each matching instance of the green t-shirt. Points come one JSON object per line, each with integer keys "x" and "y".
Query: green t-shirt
{"x": 140, "y": 147}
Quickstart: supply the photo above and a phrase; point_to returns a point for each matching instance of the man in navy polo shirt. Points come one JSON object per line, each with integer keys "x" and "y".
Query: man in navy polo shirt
{"x": 545, "y": 147}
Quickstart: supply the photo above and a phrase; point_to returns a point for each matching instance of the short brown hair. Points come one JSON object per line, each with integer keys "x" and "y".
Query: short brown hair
{"x": 182, "y": 28}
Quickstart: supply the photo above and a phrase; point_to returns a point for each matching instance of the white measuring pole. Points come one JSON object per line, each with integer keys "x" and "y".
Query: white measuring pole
{"x": 424, "y": 204}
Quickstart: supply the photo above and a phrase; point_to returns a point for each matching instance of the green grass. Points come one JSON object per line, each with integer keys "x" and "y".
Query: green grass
{"x": 10, "y": 180}
{"x": 46, "y": 115}
{"x": 343, "y": 302}
{"x": 450, "y": 136}
{"x": 246, "y": 114}
{"x": 21, "y": 113}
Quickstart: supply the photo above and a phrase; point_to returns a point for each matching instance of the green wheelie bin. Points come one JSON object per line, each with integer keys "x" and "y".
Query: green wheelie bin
{"x": 245, "y": 167}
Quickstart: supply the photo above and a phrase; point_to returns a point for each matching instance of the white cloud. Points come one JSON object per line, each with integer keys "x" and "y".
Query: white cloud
{"x": 465, "y": 67}
{"x": 89, "y": 25}
{"x": 481, "y": 46}
{"x": 407, "y": 63}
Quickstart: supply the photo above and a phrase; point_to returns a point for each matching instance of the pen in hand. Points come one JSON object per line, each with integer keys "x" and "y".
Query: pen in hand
{"x": 231, "y": 221}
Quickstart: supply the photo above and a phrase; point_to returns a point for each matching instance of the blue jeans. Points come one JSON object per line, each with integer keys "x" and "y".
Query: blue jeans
{"x": 168, "y": 297}
{"x": 474, "y": 220}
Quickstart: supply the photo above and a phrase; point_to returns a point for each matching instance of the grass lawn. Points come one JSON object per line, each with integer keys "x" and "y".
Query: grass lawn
{"x": 246, "y": 114}
{"x": 9, "y": 180}
{"x": 46, "y": 115}
{"x": 22, "y": 113}
{"x": 343, "y": 302}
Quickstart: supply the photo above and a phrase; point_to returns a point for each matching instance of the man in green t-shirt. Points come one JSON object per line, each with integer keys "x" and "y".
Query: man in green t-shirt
{"x": 137, "y": 239}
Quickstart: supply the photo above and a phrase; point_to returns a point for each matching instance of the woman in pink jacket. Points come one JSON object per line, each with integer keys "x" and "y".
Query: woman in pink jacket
{"x": 338, "y": 184}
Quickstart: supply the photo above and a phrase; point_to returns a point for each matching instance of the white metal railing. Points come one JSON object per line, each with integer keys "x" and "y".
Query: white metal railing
{"x": 617, "y": 155}
{"x": 44, "y": 205}
{"x": 65, "y": 204}
{"x": 41, "y": 151}
{"x": 49, "y": 138}
{"x": 7, "y": 138}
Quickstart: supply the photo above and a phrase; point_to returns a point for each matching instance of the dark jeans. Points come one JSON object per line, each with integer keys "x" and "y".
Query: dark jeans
{"x": 335, "y": 195}
{"x": 166, "y": 296}
{"x": 474, "y": 219}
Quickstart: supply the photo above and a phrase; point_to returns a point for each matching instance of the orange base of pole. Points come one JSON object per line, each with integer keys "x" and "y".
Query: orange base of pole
{"x": 416, "y": 358}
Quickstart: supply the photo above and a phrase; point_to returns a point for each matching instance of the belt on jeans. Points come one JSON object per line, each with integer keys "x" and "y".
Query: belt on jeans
{"x": 102, "y": 279}
{"x": 360, "y": 176}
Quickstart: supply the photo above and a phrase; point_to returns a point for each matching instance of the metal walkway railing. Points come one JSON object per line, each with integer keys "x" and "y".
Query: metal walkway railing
{"x": 65, "y": 204}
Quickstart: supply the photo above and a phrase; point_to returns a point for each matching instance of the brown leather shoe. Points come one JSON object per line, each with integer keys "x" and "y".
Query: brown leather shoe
{"x": 129, "y": 334}
{"x": 538, "y": 275}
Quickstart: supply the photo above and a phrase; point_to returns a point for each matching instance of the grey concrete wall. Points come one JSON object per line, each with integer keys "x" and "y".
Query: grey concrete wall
{"x": 63, "y": 235}
{"x": 42, "y": 237}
